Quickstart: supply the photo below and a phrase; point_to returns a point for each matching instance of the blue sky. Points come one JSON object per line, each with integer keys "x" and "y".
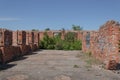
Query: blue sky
{"x": 57, "y": 14}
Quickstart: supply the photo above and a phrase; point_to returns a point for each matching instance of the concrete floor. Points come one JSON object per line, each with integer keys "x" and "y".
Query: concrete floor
{"x": 54, "y": 65}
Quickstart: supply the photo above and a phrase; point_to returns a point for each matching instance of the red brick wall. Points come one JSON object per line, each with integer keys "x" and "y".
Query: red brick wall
{"x": 19, "y": 38}
{"x": 35, "y": 46}
{"x": 107, "y": 42}
{"x": 36, "y": 37}
{"x": 41, "y": 35}
{"x": 5, "y": 37}
{"x": 86, "y": 41}
{"x": 29, "y": 37}
{"x": 79, "y": 33}
{"x": 7, "y": 53}
{"x": 104, "y": 44}
{"x": 14, "y": 38}
{"x": 63, "y": 35}
{"x": 51, "y": 34}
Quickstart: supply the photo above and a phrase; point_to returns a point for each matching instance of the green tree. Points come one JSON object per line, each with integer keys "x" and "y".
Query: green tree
{"x": 63, "y": 29}
{"x": 35, "y": 30}
{"x": 47, "y": 29}
{"x": 76, "y": 27}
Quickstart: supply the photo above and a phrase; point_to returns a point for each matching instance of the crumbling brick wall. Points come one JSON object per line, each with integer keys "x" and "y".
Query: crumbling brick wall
{"x": 36, "y": 41}
{"x": 5, "y": 37}
{"x": 32, "y": 39}
{"x": 93, "y": 42}
{"x": 6, "y": 45}
{"x": 78, "y": 35}
{"x": 19, "y": 38}
{"x": 41, "y": 35}
{"x": 19, "y": 43}
{"x": 86, "y": 41}
{"x": 107, "y": 42}
{"x": 104, "y": 44}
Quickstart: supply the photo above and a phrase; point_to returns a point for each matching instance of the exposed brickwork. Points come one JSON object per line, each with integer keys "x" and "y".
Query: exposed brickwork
{"x": 7, "y": 53}
{"x": 41, "y": 35}
{"x": 36, "y": 39}
{"x": 25, "y": 49}
{"x": 104, "y": 44}
{"x": 5, "y": 37}
{"x": 63, "y": 33}
{"x": 86, "y": 41}
{"x": 17, "y": 43}
{"x": 19, "y": 38}
{"x": 108, "y": 39}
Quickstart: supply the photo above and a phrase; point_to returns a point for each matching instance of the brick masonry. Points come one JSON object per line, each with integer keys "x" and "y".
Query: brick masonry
{"x": 104, "y": 44}
{"x": 5, "y": 37}
{"x": 17, "y": 43}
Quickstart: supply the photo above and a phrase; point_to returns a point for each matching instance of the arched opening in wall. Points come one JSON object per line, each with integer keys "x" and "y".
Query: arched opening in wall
{"x": 88, "y": 40}
{"x": 55, "y": 34}
{"x": 1, "y": 38}
{"x": 1, "y": 57}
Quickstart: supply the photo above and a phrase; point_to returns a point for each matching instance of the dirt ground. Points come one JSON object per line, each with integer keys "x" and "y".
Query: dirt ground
{"x": 54, "y": 65}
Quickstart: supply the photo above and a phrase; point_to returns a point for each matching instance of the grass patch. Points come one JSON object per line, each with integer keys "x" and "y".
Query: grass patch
{"x": 92, "y": 60}
{"x": 79, "y": 55}
{"x": 89, "y": 59}
{"x": 76, "y": 66}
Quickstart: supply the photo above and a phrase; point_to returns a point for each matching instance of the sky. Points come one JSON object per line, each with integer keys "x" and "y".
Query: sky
{"x": 57, "y": 14}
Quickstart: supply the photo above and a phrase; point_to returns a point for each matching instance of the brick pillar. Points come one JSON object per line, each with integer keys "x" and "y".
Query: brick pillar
{"x": 86, "y": 41}
{"x": 6, "y": 45}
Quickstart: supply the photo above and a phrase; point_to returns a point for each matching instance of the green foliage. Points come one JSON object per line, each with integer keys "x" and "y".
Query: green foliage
{"x": 76, "y": 66}
{"x": 75, "y": 27}
{"x": 70, "y": 37}
{"x": 63, "y": 29}
{"x": 47, "y": 42}
{"x": 47, "y": 29}
{"x": 70, "y": 42}
{"x": 35, "y": 30}
{"x": 59, "y": 46}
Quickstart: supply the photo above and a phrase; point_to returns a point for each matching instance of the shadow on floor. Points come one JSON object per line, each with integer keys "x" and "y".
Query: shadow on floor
{"x": 118, "y": 66}
{"x": 19, "y": 58}
{"x": 34, "y": 52}
{"x": 40, "y": 49}
{"x": 6, "y": 66}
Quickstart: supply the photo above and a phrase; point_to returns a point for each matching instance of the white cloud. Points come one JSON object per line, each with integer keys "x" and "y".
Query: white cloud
{"x": 9, "y": 19}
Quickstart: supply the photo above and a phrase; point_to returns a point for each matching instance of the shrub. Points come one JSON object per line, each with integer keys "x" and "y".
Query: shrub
{"x": 66, "y": 46}
{"x": 70, "y": 37}
{"x": 50, "y": 46}
{"x": 47, "y": 42}
{"x": 76, "y": 66}
{"x": 70, "y": 42}
{"x": 58, "y": 46}
{"x": 77, "y": 45}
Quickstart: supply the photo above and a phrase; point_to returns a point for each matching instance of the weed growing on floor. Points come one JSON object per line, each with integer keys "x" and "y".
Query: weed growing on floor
{"x": 89, "y": 59}
{"x": 76, "y": 66}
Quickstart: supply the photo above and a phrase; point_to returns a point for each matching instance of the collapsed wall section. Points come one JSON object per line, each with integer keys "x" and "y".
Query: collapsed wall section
{"x": 86, "y": 41}
{"x": 107, "y": 48}
{"x": 104, "y": 44}
{"x": 6, "y": 50}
